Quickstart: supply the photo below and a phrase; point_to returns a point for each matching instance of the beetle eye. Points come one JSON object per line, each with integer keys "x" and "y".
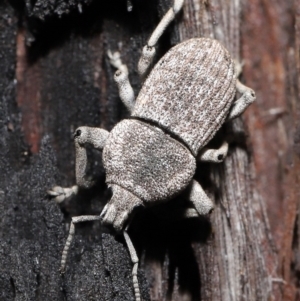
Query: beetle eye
{"x": 77, "y": 133}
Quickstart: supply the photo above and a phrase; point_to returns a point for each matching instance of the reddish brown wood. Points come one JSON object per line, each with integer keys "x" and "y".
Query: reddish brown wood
{"x": 28, "y": 94}
{"x": 273, "y": 123}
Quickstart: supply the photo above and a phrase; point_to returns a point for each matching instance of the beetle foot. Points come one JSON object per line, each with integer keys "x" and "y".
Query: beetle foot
{"x": 115, "y": 61}
{"x": 59, "y": 194}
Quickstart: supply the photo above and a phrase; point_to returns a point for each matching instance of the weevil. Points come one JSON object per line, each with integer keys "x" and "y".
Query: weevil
{"x": 151, "y": 156}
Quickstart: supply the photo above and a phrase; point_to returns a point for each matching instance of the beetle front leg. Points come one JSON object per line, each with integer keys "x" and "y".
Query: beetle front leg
{"x": 83, "y": 136}
{"x": 149, "y": 51}
{"x": 213, "y": 155}
{"x": 121, "y": 78}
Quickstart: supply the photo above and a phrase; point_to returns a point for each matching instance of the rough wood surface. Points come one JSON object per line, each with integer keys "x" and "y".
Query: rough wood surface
{"x": 55, "y": 76}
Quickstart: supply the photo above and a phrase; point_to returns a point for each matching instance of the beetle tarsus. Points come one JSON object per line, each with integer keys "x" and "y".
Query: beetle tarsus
{"x": 60, "y": 194}
{"x": 149, "y": 51}
{"x": 126, "y": 92}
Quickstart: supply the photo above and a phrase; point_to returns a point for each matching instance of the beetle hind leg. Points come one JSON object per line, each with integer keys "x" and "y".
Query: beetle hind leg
{"x": 201, "y": 203}
{"x": 126, "y": 92}
{"x": 149, "y": 51}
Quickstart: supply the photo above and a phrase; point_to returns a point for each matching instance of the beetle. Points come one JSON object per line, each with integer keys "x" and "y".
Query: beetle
{"x": 151, "y": 156}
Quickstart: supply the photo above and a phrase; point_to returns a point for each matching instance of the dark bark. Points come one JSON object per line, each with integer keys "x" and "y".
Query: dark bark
{"x": 55, "y": 76}
{"x": 33, "y": 232}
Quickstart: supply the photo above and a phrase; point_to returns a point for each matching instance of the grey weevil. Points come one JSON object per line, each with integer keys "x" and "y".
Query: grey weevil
{"x": 151, "y": 156}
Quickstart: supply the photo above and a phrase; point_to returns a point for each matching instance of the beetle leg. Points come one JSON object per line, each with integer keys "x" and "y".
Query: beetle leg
{"x": 148, "y": 52}
{"x": 200, "y": 200}
{"x": 75, "y": 220}
{"x": 177, "y": 214}
{"x": 248, "y": 96}
{"x": 88, "y": 135}
{"x": 238, "y": 68}
{"x": 62, "y": 193}
{"x": 190, "y": 213}
{"x": 121, "y": 78}
{"x": 135, "y": 261}
{"x": 213, "y": 155}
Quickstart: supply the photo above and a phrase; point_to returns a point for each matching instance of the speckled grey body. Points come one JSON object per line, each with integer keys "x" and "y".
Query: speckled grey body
{"x": 144, "y": 160}
{"x": 190, "y": 91}
{"x": 151, "y": 157}
{"x": 188, "y": 94}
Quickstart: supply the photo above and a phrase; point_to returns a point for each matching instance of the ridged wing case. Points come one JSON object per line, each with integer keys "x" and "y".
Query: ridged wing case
{"x": 190, "y": 91}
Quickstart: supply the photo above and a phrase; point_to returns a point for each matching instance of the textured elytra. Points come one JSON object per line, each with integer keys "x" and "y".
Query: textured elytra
{"x": 190, "y": 91}
{"x": 146, "y": 161}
